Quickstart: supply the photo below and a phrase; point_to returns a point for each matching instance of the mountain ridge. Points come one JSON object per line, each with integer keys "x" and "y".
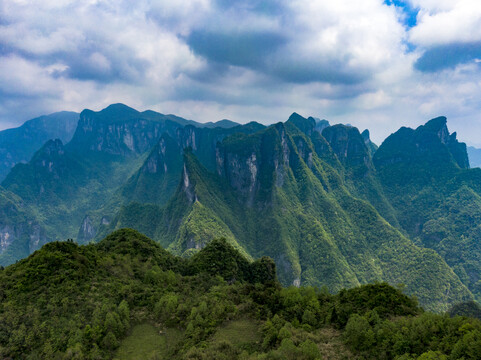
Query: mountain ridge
{"x": 319, "y": 199}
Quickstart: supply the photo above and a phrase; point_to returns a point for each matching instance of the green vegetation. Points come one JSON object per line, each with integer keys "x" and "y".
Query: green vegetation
{"x": 127, "y": 298}
{"x": 437, "y": 200}
{"x": 297, "y": 207}
{"x": 330, "y": 209}
{"x": 146, "y": 341}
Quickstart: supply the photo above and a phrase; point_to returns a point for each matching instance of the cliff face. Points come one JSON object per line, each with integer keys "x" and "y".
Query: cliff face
{"x": 87, "y": 231}
{"x": 253, "y": 164}
{"x": 272, "y": 194}
{"x": 349, "y": 147}
{"x": 119, "y": 130}
{"x": 20, "y": 233}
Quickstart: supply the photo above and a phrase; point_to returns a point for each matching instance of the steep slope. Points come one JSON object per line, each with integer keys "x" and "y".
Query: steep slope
{"x": 273, "y": 195}
{"x": 156, "y": 180}
{"x": 76, "y": 188}
{"x": 354, "y": 151}
{"x": 437, "y": 198}
{"x": 19, "y": 144}
{"x": 66, "y": 185}
{"x": 20, "y": 232}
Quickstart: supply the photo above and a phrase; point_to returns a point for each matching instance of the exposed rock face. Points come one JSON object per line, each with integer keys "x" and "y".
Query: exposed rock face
{"x": 349, "y": 146}
{"x": 105, "y": 221}
{"x": 242, "y": 173}
{"x": 187, "y": 186}
{"x": 49, "y": 157}
{"x": 156, "y": 162}
{"x": 120, "y": 130}
{"x": 29, "y": 234}
{"x": 87, "y": 231}
{"x": 281, "y": 161}
{"x": 13, "y": 233}
{"x": 257, "y": 166}
{"x": 37, "y": 237}
{"x": 7, "y": 236}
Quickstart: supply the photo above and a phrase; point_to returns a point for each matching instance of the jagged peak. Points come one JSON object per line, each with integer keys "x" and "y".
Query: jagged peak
{"x": 295, "y": 116}
{"x": 435, "y": 124}
{"x": 426, "y": 141}
{"x": 303, "y": 124}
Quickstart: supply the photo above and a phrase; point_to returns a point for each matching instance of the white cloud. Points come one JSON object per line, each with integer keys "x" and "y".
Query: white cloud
{"x": 447, "y": 22}
{"x": 341, "y": 60}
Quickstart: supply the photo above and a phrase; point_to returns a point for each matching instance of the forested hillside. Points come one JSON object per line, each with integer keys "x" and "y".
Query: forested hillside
{"x": 104, "y": 300}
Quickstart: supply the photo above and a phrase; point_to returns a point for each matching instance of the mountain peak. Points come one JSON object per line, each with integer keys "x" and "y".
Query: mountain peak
{"x": 436, "y": 124}
{"x": 303, "y": 124}
{"x": 439, "y": 127}
{"x": 119, "y": 107}
{"x": 112, "y": 113}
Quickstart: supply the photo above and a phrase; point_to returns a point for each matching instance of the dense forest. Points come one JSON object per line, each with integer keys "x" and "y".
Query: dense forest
{"x": 126, "y": 297}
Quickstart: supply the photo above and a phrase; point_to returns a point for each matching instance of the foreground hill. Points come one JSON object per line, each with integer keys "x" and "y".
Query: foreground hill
{"x": 99, "y": 301}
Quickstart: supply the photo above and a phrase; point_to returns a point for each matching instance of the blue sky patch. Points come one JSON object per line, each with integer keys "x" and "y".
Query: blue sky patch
{"x": 410, "y": 19}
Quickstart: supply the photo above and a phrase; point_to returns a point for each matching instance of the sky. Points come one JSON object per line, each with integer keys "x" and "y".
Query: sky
{"x": 374, "y": 64}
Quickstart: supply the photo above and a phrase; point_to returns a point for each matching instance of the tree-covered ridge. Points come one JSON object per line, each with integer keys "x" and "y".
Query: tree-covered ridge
{"x": 436, "y": 197}
{"x": 80, "y": 302}
{"x": 274, "y": 194}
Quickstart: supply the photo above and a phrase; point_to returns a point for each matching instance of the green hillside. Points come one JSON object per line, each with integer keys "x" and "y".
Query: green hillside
{"x": 127, "y": 298}
{"x": 273, "y": 195}
{"x": 425, "y": 175}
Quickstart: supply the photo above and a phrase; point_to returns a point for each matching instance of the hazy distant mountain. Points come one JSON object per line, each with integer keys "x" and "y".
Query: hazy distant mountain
{"x": 19, "y": 144}
{"x": 474, "y": 156}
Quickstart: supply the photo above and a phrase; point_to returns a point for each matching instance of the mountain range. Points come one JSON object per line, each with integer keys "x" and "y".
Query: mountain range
{"x": 330, "y": 207}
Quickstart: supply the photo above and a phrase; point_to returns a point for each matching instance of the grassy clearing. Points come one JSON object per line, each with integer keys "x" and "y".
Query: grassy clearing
{"x": 239, "y": 332}
{"x": 146, "y": 342}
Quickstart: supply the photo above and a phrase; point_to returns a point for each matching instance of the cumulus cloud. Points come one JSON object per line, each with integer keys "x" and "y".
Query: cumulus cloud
{"x": 377, "y": 64}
